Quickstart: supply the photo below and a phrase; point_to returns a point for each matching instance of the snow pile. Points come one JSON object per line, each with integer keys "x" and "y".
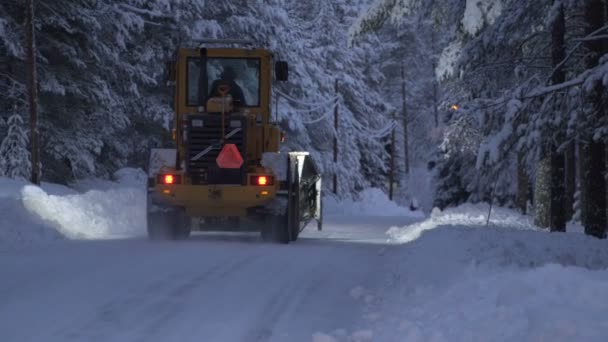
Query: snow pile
{"x": 372, "y": 202}
{"x": 454, "y": 279}
{"x": 32, "y": 214}
{"x": 470, "y": 215}
{"x": 18, "y": 227}
{"x": 95, "y": 214}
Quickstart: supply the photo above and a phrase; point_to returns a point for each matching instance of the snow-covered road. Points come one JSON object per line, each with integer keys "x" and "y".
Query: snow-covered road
{"x": 74, "y": 266}
{"x": 214, "y": 287}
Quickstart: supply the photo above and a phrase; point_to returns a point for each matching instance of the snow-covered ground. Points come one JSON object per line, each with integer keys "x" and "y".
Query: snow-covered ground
{"x": 377, "y": 272}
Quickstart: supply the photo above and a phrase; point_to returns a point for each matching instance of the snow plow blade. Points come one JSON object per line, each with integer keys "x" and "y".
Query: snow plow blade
{"x": 304, "y": 193}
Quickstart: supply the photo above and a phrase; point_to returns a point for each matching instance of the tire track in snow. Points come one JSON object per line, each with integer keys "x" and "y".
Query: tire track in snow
{"x": 142, "y": 313}
{"x": 169, "y": 307}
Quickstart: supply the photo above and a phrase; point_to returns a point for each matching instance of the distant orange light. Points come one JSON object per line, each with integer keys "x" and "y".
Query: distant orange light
{"x": 455, "y": 107}
{"x": 262, "y": 180}
{"x": 169, "y": 179}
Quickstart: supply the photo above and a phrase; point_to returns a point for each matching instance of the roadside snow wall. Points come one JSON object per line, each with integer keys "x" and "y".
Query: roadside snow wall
{"x": 32, "y": 214}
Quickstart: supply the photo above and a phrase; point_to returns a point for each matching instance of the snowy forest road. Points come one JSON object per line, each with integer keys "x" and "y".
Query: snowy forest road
{"x": 214, "y": 287}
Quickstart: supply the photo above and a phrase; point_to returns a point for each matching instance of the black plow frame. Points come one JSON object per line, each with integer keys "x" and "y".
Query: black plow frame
{"x": 304, "y": 192}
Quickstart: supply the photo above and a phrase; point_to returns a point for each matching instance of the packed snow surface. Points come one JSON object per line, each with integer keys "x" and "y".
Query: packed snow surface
{"x": 368, "y": 276}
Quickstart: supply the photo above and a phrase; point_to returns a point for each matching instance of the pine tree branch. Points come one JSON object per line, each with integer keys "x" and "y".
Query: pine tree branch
{"x": 590, "y": 39}
{"x": 574, "y": 49}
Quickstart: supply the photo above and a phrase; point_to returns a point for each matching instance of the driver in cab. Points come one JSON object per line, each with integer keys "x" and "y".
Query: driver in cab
{"x": 227, "y": 80}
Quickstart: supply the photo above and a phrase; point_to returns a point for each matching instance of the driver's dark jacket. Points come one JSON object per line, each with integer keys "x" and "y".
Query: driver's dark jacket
{"x": 235, "y": 91}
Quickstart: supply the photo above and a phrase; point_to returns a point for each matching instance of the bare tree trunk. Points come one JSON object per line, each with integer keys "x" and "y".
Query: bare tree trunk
{"x": 435, "y": 85}
{"x": 336, "y": 126}
{"x": 522, "y": 185}
{"x": 570, "y": 186}
{"x": 595, "y": 183}
{"x": 558, "y": 161}
{"x": 583, "y": 167}
{"x": 405, "y": 122}
{"x": 391, "y": 177}
{"x": 596, "y": 190}
{"x": 32, "y": 85}
{"x": 542, "y": 192}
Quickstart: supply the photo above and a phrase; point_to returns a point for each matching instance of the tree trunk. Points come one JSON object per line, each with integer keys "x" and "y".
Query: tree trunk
{"x": 570, "y": 186}
{"x": 542, "y": 193}
{"x": 32, "y": 85}
{"x": 405, "y": 122}
{"x": 596, "y": 190}
{"x": 391, "y": 177}
{"x": 522, "y": 184}
{"x": 558, "y": 162}
{"x": 595, "y": 182}
{"x": 583, "y": 167}
{"x": 435, "y": 85}
{"x": 558, "y": 215}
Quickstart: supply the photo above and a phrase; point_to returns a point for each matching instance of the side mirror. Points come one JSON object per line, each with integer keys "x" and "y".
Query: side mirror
{"x": 170, "y": 73}
{"x": 281, "y": 71}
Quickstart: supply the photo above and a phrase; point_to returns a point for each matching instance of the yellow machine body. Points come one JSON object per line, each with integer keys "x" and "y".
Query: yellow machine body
{"x": 222, "y": 200}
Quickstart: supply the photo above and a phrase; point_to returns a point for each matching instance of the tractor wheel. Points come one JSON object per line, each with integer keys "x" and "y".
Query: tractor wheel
{"x": 159, "y": 226}
{"x": 181, "y": 224}
{"x": 275, "y": 229}
{"x": 295, "y": 236}
{"x": 167, "y": 223}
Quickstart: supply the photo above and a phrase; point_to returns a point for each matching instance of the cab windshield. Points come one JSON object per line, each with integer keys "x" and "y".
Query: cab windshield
{"x": 240, "y": 77}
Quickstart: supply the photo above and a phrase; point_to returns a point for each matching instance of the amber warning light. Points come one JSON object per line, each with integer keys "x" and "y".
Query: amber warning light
{"x": 168, "y": 179}
{"x": 262, "y": 180}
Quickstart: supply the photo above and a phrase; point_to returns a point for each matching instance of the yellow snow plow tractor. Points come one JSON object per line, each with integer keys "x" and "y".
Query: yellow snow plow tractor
{"x": 225, "y": 171}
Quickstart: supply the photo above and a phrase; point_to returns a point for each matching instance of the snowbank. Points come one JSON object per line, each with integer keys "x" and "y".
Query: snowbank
{"x": 454, "y": 279}
{"x": 372, "y": 202}
{"x": 470, "y": 215}
{"x": 32, "y": 214}
{"x": 18, "y": 227}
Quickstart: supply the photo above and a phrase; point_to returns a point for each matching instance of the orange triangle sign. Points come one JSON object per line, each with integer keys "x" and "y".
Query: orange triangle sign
{"x": 230, "y": 157}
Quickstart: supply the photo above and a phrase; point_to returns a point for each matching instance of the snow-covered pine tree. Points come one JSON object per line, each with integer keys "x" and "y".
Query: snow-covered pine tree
{"x": 14, "y": 154}
{"x": 102, "y": 97}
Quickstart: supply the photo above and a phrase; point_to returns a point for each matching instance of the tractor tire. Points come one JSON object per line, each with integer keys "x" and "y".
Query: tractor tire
{"x": 295, "y": 233}
{"x": 167, "y": 223}
{"x": 159, "y": 226}
{"x": 275, "y": 229}
{"x": 181, "y": 225}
